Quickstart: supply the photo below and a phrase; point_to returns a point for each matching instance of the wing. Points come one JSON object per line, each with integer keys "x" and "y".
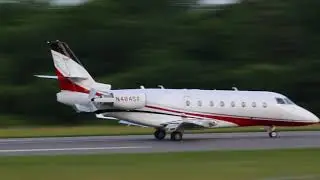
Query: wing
{"x": 190, "y": 123}
{"x": 101, "y": 116}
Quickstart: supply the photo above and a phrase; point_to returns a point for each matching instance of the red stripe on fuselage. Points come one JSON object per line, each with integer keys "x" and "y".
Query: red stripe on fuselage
{"x": 240, "y": 121}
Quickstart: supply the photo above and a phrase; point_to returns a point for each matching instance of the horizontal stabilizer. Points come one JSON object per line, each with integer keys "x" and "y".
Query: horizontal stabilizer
{"x": 47, "y": 76}
{"x": 76, "y": 78}
{"x": 56, "y": 77}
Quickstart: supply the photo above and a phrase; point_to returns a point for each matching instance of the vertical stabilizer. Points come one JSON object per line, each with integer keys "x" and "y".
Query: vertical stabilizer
{"x": 71, "y": 74}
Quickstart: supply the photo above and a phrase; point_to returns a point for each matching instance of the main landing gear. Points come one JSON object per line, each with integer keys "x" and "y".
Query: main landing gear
{"x": 160, "y": 134}
{"x": 176, "y": 136}
{"x": 272, "y": 132}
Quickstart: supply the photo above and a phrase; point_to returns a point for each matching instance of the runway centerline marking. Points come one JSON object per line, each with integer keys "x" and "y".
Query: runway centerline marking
{"x": 73, "y": 149}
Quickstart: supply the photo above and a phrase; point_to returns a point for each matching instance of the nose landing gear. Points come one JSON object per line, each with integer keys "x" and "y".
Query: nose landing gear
{"x": 272, "y": 132}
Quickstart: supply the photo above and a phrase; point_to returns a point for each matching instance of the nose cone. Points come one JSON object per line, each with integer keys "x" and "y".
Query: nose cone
{"x": 297, "y": 113}
{"x": 310, "y": 117}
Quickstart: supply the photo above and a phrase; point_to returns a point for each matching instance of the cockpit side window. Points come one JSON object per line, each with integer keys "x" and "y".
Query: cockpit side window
{"x": 280, "y": 101}
{"x": 288, "y": 101}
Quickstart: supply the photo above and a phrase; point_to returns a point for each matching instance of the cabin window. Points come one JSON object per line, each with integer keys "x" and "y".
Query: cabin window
{"x": 221, "y": 103}
{"x": 199, "y": 103}
{"x": 188, "y": 103}
{"x": 243, "y": 104}
{"x": 264, "y": 104}
{"x": 233, "y": 104}
{"x": 211, "y": 103}
{"x": 254, "y": 104}
{"x": 280, "y": 101}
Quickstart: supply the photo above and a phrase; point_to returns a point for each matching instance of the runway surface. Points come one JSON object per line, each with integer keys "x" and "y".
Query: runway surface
{"x": 147, "y": 143}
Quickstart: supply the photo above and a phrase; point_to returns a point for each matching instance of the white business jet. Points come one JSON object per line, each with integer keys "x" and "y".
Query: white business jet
{"x": 171, "y": 111}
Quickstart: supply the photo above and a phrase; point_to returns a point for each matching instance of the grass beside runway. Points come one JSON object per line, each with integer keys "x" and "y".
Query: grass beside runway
{"x": 120, "y": 130}
{"x": 219, "y": 165}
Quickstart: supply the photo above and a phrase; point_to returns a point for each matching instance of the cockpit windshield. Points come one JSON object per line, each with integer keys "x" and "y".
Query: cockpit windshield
{"x": 283, "y": 101}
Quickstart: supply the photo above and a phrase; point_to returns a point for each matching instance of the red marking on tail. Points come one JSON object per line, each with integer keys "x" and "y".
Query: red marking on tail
{"x": 67, "y": 84}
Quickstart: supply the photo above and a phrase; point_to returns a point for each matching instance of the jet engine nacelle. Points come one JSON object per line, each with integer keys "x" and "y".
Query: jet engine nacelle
{"x": 127, "y": 100}
{"x": 71, "y": 98}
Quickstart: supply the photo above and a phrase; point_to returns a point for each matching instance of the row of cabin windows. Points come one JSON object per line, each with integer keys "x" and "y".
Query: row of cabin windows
{"x": 233, "y": 104}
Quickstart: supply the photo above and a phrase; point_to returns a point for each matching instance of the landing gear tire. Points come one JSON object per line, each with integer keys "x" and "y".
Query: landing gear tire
{"x": 176, "y": 136}
{"x": 159, "y": 134}
{"x": 273, "y": 134}
{"x": 272, "y": 131}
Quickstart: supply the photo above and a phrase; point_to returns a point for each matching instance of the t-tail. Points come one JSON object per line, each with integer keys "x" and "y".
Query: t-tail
{"x": 70, "y": 73}
{"x": 75, "y": 83}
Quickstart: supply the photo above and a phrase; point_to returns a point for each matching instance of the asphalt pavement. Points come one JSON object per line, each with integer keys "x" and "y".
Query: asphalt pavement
{"x": 147, "y": 143}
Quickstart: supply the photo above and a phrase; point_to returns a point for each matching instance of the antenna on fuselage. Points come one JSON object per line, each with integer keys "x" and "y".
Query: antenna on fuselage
{"x": 235, "y": 88}
{"x": 160, "y": 86}
{"x": 141, "y": 87}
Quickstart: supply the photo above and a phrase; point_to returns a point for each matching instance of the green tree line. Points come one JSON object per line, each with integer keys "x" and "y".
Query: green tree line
{"x": 253, "y": 44}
